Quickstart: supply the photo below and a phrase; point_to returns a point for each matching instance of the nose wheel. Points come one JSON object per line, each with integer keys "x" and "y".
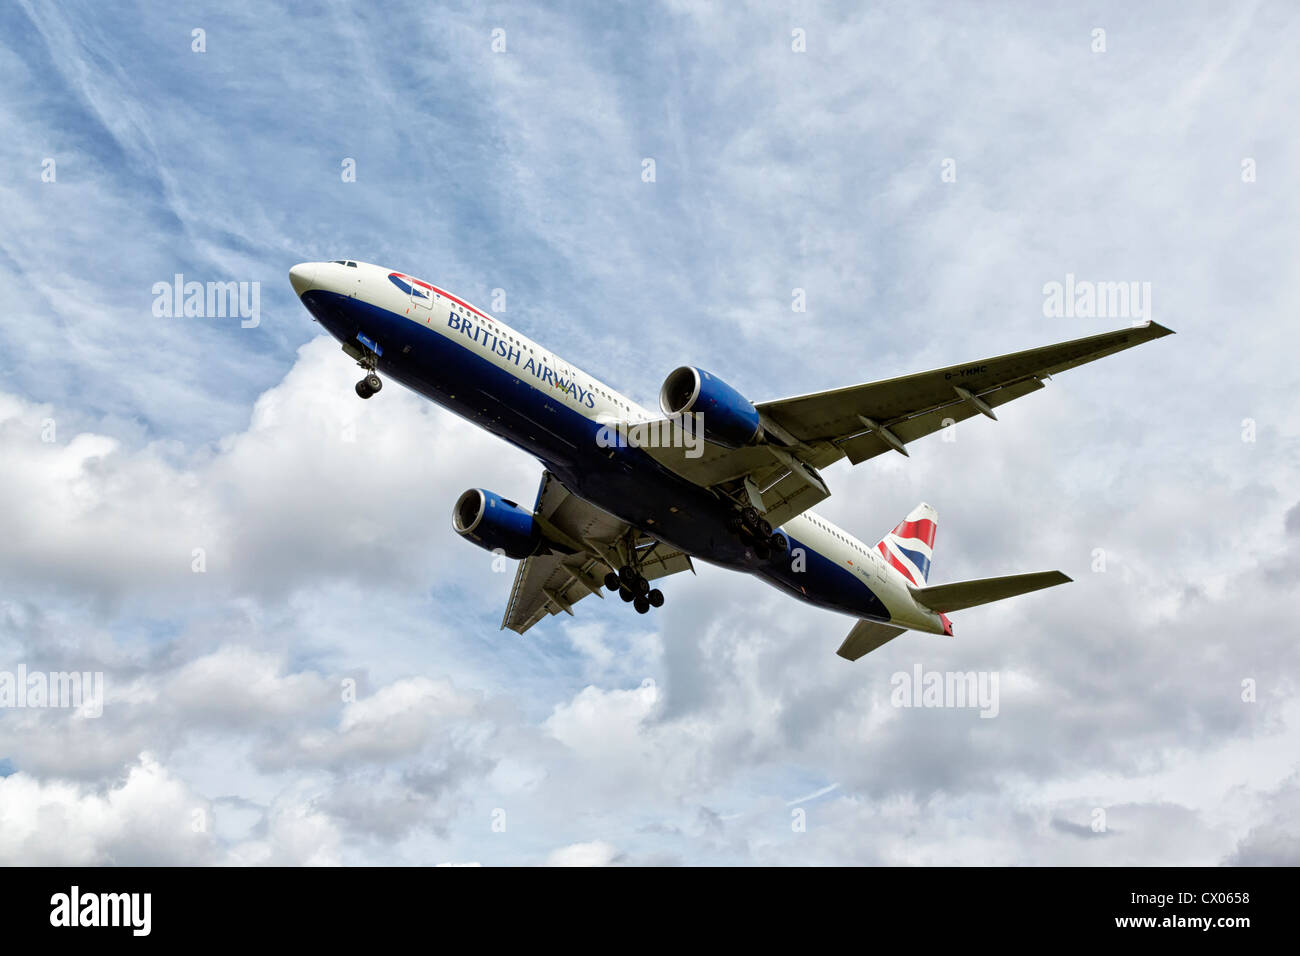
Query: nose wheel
{"x": 369, "y": 385}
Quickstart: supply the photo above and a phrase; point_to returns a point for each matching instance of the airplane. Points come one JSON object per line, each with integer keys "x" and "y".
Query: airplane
{"x": 729, "y": 481}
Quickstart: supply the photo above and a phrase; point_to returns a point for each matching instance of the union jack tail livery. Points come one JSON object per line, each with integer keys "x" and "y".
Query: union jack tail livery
{"x": 910, "y": 546}
{"x": 914, "y": 604}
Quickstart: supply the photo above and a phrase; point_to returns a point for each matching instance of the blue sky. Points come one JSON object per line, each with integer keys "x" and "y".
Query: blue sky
{"x": 688, "y": 735}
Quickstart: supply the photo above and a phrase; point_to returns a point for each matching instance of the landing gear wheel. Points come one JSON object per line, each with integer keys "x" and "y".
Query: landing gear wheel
{"x": 627, "y": 574}
{"x": 612, "y": 582}
{"x": 764, "y": 528}
{"x": 641, "y": 603}
{"x": 777, "y": 543}
{"x": 640, "y": 586}
{"x": 362, "y": 390}
{"x": 749, "y": 516}
{"x": 373, "y": 382}
{"x": 625, "y": 594}
{"x": 655, "y": 597}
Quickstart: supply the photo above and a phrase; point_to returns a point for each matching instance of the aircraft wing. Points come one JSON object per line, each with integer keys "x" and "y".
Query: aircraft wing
{"x": 863, "y": 421}
{"x": 808, "y": 432}
{"x": 555, "y": 580}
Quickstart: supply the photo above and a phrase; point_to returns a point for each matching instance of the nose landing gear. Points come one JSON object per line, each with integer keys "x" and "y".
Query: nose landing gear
{"x": 369, "y": 361}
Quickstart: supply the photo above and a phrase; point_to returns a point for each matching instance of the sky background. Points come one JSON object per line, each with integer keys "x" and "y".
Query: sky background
{"x": 695, "y": 733}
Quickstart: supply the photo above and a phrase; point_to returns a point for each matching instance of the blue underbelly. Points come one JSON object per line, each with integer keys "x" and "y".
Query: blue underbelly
{"x": 626, "y": 482}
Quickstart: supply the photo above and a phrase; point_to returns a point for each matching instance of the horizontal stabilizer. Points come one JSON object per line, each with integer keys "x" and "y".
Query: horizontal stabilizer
{"x": 964, "y": 594}
{"x": 866, "y": 636}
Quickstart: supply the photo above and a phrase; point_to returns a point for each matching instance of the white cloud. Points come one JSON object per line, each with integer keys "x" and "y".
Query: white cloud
{"x": 323, "y": 520}
{"x": 147, "y": 819}
{"x": 595, "y": 853}
{"x": 307, "y": 492}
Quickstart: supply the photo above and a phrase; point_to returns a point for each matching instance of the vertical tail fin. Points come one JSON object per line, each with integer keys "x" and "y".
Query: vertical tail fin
{"x": 910, "y": 546}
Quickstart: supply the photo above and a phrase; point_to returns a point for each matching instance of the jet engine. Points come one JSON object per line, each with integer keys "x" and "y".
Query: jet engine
{"x": 496, "y": 524}
{"x": 727, "y": 417}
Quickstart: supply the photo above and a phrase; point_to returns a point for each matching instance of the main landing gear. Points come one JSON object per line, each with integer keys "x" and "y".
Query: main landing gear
{"x": 369, "y": 385}
{"x": 632, "y": 587}
{"x": 756, "y": 532}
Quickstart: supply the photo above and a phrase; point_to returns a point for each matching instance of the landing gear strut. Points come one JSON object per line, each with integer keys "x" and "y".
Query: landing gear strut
{"x": 372, "y": 382}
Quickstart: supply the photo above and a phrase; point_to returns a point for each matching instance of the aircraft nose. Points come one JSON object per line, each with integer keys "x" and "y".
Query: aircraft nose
{"x": 301, "y": 276}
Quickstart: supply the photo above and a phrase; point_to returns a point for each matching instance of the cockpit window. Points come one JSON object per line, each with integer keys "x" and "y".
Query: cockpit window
{"x": 338, "y": 262}
{"x": 352, "y": 265}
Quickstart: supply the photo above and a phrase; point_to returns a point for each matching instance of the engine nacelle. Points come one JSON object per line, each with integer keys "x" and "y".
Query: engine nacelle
{"x": 495, "y": 523}
{"x": 729, "y": 419}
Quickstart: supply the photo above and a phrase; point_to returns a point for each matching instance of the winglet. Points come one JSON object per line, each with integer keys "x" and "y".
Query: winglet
{"x": 1158, "y": 331}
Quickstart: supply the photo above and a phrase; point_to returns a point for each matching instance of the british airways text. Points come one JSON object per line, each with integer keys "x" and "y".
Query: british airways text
{"x": 542, "y": 372}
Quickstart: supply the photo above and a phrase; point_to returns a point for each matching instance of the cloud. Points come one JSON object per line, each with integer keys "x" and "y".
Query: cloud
{"x": 596, "y": 853}
{"x": 147, "y": 819}
{"x": 298, "y": 496}
{"x": 1275, "y": 839}
{"x": 295, "y": 643}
